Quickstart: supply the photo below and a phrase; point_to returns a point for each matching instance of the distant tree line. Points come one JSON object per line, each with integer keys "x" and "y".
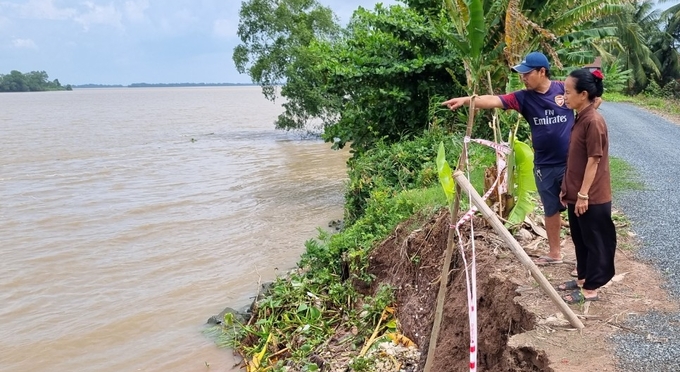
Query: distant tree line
{"x": 34, "y": 81}
{"x": 154, "y": 85}
{"x": 99, "y": 86}
{"x": 161, "y": 85}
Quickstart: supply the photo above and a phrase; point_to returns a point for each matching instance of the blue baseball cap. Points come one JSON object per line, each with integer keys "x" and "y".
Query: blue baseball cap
{"x": 532, "y": 61}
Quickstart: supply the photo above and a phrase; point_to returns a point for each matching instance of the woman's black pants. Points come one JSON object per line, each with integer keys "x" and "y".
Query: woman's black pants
{"x": 594, "y": 238}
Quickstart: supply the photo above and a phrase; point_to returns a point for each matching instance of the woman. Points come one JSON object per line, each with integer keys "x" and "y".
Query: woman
{"x": 586, "y": 189}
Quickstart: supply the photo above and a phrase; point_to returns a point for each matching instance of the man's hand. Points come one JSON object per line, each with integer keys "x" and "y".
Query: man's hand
{"x": 455, "y": 103}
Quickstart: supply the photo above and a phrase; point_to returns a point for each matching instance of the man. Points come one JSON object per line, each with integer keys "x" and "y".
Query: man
{"x": 542, "y": 105}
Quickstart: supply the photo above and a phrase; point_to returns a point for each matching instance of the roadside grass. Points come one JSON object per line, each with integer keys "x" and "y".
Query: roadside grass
{"x": 662, "y": 105}
{"x": 623, "y": 176}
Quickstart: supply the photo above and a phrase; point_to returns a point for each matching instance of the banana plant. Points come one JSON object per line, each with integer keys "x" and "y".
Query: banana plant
{"x": 445, "y": 175}
{"x": 521, "y": 182}
{"x": 468, "y": 29}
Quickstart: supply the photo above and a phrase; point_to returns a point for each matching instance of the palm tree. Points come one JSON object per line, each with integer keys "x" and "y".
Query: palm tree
{"x": 667, "y": 45}
{"x": 563, "y": 29}
{"x": 636, "y": 27}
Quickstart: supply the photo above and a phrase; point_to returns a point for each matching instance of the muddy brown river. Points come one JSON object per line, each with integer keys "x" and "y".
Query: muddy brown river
{"x": 129, "y": 216}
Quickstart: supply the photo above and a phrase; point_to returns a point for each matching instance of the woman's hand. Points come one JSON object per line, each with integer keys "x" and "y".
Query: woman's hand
{"x": 581, "y": 207}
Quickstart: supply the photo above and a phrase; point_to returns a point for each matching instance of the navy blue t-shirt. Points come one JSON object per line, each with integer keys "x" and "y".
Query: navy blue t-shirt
{"x": 550, "y": 121}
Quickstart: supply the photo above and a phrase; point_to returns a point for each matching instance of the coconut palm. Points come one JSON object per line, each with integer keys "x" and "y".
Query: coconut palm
{"x": 636, "y": 27}
{"x": 564, "y": 29}
{"x": 509, "y": 29}
{"x": 667, "y": 45}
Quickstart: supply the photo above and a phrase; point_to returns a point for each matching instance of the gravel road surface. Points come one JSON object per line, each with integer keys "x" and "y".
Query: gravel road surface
{"x": 651, "y": 144}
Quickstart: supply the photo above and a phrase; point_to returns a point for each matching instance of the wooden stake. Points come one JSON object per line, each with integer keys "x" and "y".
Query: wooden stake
{"x": 517, "y": 249}
{"x": 441, "y": 295}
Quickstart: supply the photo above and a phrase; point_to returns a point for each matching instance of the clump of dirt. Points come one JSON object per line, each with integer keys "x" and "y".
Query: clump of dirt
{"x": 519, "y": 328}
{"x": 410, "y": 261}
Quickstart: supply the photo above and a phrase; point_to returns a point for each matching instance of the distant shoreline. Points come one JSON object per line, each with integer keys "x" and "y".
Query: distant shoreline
{"x": 163, "y": 85}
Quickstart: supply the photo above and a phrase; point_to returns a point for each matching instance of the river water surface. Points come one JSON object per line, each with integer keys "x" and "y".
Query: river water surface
{"x": 130, "y": 216}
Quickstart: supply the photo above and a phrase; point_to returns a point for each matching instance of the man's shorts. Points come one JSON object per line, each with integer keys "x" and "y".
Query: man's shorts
{"x": 549, "y": 184}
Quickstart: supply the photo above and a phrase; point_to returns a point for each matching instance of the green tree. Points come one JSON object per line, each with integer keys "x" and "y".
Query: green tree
{"x": 36, "y": 80}
{"x": 636, "y": 27}
{"x": 275, "y": 36}
{"x": 32, "y": 81}
{"x": 666, "y": 45}
{"x": 387, "y": 72}
{"x": 14, "y": 82}
{"x": 379, "y": 79}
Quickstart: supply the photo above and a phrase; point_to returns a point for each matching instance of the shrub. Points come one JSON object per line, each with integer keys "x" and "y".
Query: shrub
{"x": 409, "y": 164}
{"x": 671, "y": 90}
{"x": 653, "y": 90}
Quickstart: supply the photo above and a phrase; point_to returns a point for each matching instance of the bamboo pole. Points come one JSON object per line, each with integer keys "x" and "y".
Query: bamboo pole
{"x": 441, "y": 295}
{"x": 462, "y": 161}
{"x": 517, "y": 249}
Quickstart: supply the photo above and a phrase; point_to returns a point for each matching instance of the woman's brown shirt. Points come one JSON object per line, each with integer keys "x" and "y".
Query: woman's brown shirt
{"x": 589, "y": 138}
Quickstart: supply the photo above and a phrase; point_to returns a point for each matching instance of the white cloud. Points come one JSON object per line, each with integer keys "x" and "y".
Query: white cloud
{"x": 97, "y": 14}
{"x": 4, "y": 22}
{"x": 90, "y": 14}
{"x": 178, "y": 22}
{"x": 24, "y": 44}
{"x": 134, "y": 10}
{"x": 124, "y": 41}
{"x": 39, "y": 9}
{"x": 224, "y": 28}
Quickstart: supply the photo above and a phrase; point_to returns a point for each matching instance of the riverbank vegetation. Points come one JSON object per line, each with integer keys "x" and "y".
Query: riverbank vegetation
{"x": 376, "y": 85}
{"x": 34, "y": 81}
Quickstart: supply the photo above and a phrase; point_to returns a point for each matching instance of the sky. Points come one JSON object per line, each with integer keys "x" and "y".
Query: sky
{"x": 129, "y": 41}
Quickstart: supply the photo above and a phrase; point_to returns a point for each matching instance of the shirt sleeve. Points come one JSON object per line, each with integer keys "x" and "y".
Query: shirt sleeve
{"x": 512, "y": 101}
{"x": 596, "y": 138}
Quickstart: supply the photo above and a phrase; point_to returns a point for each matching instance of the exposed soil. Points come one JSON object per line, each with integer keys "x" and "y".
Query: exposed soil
{"x": 519, "y": 328}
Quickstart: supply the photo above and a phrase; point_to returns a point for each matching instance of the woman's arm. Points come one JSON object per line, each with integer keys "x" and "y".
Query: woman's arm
{"x": 588, "y": 178}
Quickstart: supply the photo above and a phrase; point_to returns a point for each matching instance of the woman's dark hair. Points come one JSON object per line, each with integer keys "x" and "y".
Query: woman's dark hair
{"x": 590, "y": 82}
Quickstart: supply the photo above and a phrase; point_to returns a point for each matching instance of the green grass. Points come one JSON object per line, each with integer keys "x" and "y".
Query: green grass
{"x": 663, "y": 105}
{"x": 623, "y": 176}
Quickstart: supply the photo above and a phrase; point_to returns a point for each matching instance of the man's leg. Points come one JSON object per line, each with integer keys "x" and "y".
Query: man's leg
{"x": 548, "y": 182}
{"x": 552, "y": 229}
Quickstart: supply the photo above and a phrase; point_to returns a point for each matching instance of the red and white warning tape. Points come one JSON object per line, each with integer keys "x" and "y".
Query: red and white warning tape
{"x": 500, "y": 147}
{"x": 471, "y": 273}
{"x": 502, "y": 150}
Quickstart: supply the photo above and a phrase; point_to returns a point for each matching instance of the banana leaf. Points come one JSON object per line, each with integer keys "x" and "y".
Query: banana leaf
{"x": 476, "y": 28}
{"x": 510, "y": 170}
{"x": 524, "y": 181}
{"x": 445, "y": 176}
